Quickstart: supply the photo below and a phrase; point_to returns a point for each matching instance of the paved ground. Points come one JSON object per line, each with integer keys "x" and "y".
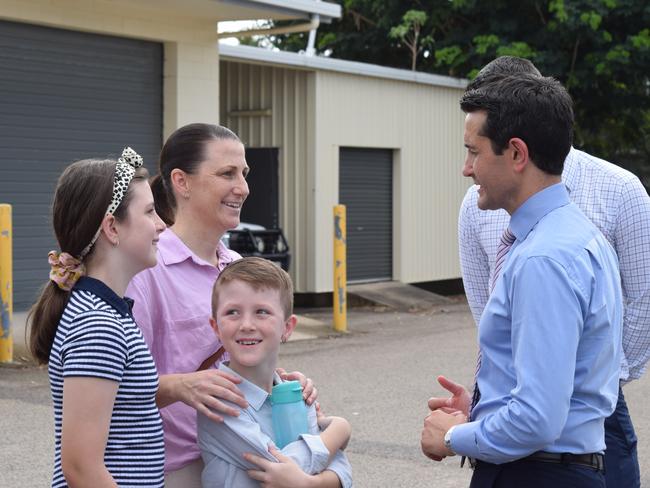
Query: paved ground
{"x": 379, "y": 376}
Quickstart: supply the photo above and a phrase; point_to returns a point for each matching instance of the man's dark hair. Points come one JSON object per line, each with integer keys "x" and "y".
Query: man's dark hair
{"x": 536, "y": 109}
{"x": 501, "y": 67}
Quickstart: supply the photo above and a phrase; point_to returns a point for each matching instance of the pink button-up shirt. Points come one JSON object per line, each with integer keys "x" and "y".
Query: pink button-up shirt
{"x": 172, "y": 308}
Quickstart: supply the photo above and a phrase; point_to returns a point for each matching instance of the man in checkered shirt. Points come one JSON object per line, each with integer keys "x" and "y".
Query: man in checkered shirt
{"x": 618, "y": 204}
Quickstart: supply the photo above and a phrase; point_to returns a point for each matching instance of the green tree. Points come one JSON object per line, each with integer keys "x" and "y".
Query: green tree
{"x": 362, "y": 34}
{"x": 600, "y": 50}
{"x": 408, "y": 33}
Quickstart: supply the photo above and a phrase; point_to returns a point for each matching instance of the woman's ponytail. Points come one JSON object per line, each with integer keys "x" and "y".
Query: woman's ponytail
{"x": 164, "y": 200}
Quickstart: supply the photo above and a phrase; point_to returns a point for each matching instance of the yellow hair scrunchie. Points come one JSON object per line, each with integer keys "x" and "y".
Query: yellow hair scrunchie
{"x": 66, "y": 269}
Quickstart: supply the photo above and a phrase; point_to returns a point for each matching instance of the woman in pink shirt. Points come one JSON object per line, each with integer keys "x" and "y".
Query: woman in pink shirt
{"x": 199, "y": 193}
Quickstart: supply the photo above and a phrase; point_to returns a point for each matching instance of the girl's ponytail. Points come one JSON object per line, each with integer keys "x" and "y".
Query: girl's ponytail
{"x": 43, "y": 320}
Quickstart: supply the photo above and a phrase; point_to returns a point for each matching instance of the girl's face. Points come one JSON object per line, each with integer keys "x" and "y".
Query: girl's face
{"x": 218, "y": 189}
{"x": 138, "y": 233}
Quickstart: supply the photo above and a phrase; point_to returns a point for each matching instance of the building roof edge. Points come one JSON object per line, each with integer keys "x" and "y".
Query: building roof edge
{"x": 285, "y": 58}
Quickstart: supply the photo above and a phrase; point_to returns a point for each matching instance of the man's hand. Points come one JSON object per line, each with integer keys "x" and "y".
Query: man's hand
{"x": 436, "y": 425}
{"x": 459, "y": 402}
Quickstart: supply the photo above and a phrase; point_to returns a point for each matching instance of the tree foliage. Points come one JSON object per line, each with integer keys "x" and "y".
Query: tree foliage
{"x": 409, "y": 33}
{"x": 600, "y": 50}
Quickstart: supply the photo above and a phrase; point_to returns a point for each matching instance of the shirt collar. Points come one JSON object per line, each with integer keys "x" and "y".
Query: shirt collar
{"x": 98, "y": 288}
{"x": 569, "y": 173}
{"x": 173, "y": 251}
{"x": 536, "y": 207}
{"x": 255, "y": 396}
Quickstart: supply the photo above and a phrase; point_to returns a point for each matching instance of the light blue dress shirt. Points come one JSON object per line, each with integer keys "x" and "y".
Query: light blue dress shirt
{"x": 618, "y": 204}
{"x": 551, "y": 339}
{"x": 223, "y": 444}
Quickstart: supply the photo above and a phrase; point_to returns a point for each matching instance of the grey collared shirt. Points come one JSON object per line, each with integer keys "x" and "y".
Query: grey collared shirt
{"x": 223, "y": 444}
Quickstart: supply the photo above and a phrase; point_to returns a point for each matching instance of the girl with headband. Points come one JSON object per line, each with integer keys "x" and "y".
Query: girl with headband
{"x": 199, "y": 193}
{"x": 108, "y": 430}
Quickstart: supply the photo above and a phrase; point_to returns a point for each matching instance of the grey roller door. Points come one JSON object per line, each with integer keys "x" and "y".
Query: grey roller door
{"x": 64, "y": 96}
{"x": 366, "y": 188}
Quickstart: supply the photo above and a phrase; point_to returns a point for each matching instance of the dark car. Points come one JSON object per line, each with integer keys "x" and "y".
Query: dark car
{"x": 255, "y": 240}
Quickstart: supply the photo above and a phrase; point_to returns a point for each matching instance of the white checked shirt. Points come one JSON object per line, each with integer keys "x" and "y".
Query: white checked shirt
{"x": 618, "y": 204}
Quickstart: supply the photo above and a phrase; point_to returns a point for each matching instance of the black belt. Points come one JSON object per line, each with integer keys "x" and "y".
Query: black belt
{"x": 593, "y": 460}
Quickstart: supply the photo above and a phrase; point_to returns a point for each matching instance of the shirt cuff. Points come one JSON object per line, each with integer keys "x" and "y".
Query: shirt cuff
{"x": 463, "y": 440}
{"x": 319, "y": 458}
{"x": 340, "y": 466}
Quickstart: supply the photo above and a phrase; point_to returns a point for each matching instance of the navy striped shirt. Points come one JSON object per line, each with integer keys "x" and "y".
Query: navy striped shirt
{"x": 97, "y": 337}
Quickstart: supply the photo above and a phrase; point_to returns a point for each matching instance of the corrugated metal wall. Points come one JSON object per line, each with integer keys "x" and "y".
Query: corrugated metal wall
{"x": 65, "y": 96}
{"x": 366, "y": 190}
{"x": 315, "y": 113}
{"x": 276, "y": 113}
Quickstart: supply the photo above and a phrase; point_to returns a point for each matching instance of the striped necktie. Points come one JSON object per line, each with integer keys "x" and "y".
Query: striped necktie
{"x": 507, "y": 239}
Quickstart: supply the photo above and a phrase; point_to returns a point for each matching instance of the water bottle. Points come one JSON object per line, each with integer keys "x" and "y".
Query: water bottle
{"x": 288, "y": 413}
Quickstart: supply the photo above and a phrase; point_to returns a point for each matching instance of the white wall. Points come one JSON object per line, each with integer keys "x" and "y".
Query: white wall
{"x": 424, "y": 125}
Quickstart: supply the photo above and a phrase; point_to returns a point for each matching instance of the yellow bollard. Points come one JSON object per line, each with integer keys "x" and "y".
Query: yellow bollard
{"x": 340, "y": 271}
{"x": 6, "y": 285}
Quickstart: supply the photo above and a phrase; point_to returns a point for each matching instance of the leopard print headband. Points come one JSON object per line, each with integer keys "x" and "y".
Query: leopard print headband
{"x": 124, "y": 172}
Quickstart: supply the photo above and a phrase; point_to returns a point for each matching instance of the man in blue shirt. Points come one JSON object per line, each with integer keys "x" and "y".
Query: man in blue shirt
{"x": 617, "y": 203}
{"x": 550, "y": 335}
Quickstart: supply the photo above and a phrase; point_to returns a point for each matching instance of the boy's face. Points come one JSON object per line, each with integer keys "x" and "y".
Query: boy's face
{"x": 251, "y": 325}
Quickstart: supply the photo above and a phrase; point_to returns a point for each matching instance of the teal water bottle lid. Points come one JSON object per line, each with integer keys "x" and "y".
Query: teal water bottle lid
{"x": 287, "y": 392}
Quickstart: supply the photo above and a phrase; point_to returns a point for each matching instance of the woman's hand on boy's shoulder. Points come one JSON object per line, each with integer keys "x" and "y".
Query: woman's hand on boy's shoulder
{"x": 205, "y": 391}
{"x": 309, "y": 391}
{"x": 319, "y": 412}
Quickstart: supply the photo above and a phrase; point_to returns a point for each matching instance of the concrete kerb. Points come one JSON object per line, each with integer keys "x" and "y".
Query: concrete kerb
{"x": 18, "y": 321}
{"x": 310, "y": 328}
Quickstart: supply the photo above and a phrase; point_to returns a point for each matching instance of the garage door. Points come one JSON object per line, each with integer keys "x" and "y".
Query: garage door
{"x": 366, "y": 189}
{"x": 64, "y": 96}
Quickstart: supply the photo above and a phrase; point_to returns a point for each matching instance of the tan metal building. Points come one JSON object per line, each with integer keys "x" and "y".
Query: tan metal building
{"x": 386, "y": 142}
